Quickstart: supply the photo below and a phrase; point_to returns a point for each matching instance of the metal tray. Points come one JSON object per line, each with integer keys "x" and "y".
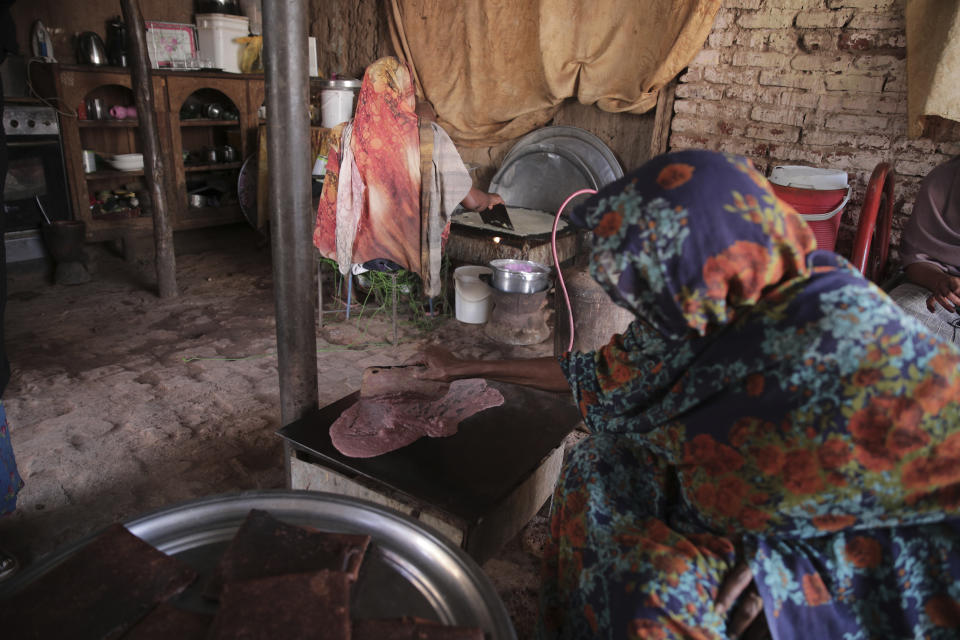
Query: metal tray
{"x": 603, "y": 159}
{"x": 547, "y": 165}
{"x": 409, "y": 569}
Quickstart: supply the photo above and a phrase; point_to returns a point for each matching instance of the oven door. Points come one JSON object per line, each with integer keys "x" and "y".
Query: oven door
{"x": 36, "y": 168}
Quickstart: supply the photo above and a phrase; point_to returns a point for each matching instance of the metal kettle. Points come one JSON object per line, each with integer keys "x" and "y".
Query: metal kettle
{"x": 117, "y": 42}
{"x": 90, "y": 49}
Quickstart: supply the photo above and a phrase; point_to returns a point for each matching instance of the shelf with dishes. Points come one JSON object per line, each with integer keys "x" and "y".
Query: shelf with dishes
{"x": 209, "y": 123}
{"x": 223, "y": 166}
{"x": 108, "y": 124}
{"x": 123, "y": 203}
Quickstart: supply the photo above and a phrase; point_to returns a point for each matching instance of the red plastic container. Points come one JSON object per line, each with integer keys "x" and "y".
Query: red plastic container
{"x": 818, "y": 200}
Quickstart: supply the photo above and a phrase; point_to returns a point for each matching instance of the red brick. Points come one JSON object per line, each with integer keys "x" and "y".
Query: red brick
{"x": 781, "y": 40}
{"x": 836, "y": 62}
{"x": 876, "y": 5}
{"x": 774, "y": 19}
{"x": 877, "y": 21}
{"x": 863, "y": 82}
{"x": 823, "y": 19}
{"x": 760, "y": 59}
{"x": 700, "y": 91}
{"x": 795, "y": 79}
{"x": 776, "y": 133}
{"x": 729, "y": 75}
{"x": 820, "y": 40}
{"x": 881, "y": 62}
{"x": 839, "y": 122}
{"x": 824, "y": 138}
{"x": 770, "y": 115}
{"x": 864, "y": 41}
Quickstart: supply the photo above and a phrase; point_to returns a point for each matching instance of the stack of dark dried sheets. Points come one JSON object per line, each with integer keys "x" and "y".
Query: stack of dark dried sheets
{"x": 274, "y": 580}
{"x": 99, "y": 592}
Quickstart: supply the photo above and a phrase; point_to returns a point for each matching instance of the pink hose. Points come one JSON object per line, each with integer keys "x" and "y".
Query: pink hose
{"x": 556, "y": 261}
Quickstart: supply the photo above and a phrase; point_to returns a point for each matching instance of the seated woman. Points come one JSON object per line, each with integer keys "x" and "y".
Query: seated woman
{"x": 769, "y": 418}
{"x": 930, "y": 252}
{"x": 392, "y": 182}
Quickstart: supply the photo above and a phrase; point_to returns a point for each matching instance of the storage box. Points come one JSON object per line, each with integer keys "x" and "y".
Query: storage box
{"x": 217, "y": 34}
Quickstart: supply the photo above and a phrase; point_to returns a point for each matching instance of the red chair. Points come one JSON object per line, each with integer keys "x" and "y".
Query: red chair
{"x": 872, "y": 244}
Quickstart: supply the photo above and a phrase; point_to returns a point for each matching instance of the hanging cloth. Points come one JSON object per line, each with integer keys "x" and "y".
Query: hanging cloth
{"x": 495, "y": 70}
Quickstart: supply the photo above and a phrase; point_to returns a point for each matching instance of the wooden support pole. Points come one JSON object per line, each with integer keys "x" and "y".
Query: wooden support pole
{"x": 660, "y": 140}
{"x": 291, "y": 207}
{"x": 154, "y": 170}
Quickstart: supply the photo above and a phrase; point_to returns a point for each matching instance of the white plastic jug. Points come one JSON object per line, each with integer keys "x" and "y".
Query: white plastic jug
{"x": 472, "y": 299}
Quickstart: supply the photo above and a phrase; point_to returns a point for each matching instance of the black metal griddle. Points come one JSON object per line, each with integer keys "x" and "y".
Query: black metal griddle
{"x": 468, "y": 475}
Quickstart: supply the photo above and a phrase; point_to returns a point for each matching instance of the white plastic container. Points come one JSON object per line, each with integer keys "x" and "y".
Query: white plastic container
{"x": 472, "y": 300}
{"x": 217, "y": 34}
{"x": 337, "y": 98}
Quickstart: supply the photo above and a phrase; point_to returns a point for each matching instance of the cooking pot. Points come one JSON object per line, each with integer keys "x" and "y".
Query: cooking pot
{"x": 519, "y": 276}
{"x": 90, "y": 49}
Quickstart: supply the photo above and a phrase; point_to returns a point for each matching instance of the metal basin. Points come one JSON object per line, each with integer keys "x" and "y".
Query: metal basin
{"x": 520, "y": 276}
{"x": 409, "y": 570}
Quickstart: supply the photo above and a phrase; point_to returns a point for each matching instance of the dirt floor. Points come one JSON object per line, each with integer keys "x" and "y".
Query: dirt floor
{"x": 121, "y": 403}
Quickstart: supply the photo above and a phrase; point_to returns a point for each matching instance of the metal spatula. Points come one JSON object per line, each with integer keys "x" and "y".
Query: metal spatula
{"x": 497, "y": 216}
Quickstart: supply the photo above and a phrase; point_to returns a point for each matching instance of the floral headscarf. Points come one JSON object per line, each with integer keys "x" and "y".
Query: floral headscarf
{"x": 691, "y": 236}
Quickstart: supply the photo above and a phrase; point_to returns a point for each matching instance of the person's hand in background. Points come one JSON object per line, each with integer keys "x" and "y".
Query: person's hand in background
{"x": 946, "y": 292}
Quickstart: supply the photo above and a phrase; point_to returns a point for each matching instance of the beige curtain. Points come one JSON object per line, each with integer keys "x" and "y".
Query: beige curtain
{"x": 497, "y": 69}
{"x": 933, "y": 62}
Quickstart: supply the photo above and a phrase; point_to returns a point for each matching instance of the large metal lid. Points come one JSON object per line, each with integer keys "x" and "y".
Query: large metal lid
{"x": 545, "y": 166}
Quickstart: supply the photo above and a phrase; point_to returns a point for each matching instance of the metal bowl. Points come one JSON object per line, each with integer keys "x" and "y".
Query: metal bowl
{"x": 410, "y": 568}
{"x": 519, "y": 276}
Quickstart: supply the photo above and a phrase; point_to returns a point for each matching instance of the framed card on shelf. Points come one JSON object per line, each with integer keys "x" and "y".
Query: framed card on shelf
{"x": 172, "y": 44}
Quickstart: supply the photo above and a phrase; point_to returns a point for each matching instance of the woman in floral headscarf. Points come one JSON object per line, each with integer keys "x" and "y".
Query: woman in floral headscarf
{"x": 767, "y": 407}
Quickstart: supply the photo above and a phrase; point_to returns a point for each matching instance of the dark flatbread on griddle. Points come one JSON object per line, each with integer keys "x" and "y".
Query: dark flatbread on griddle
{"x": 167, "y": 622}
{"x": 411, "y": 629}
{"x": 265, "y": 546}
{"x": 375, "y": 425}
{"x": 98, "y": 592}
{"x": 296, "y": 605}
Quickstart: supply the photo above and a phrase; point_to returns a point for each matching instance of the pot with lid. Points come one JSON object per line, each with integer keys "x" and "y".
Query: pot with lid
{"x": 337, "y": 99}
{"x": 519, "y": 276}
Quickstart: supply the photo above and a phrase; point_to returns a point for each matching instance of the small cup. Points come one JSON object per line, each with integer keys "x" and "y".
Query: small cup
{"x": 96, "y": 109}
{"x": 89, "y": 161}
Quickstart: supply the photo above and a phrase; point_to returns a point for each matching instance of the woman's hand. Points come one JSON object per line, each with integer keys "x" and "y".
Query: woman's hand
{"x": 437, "y": 363}
{"x": 747, "y": 618}
{"x": 478, "y": 200}
{"x": 946, "y": 291}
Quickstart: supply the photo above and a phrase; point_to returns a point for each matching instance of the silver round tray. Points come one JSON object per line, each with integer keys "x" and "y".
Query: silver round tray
{"x": 409, "y": 569}
{"x": 547, "y": 165}
{"x": 601, "y": 157}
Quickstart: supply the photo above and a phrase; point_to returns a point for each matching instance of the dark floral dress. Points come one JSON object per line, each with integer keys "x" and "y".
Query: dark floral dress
{"x": 768, "y": 403}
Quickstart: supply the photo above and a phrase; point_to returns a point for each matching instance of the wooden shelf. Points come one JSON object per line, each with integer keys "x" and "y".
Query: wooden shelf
{"x": 72, "y": 84}
{"x": 110, "y": 124}
{"x": 112, "y": 174}
{"x": 220, "y": 166}
{"x": 199, "y": 122}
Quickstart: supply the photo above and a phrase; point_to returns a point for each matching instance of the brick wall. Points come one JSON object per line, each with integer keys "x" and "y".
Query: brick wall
{"x": 812, "y": 82}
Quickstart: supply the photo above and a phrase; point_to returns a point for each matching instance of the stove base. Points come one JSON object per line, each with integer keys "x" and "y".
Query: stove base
{"x": 479, "y": 487}
{"x": 481, "y": 539}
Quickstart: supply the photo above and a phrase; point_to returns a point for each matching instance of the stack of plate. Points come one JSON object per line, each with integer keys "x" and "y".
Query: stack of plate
{"x": 547, "y": 165}
{"x": 126, "y": 161}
